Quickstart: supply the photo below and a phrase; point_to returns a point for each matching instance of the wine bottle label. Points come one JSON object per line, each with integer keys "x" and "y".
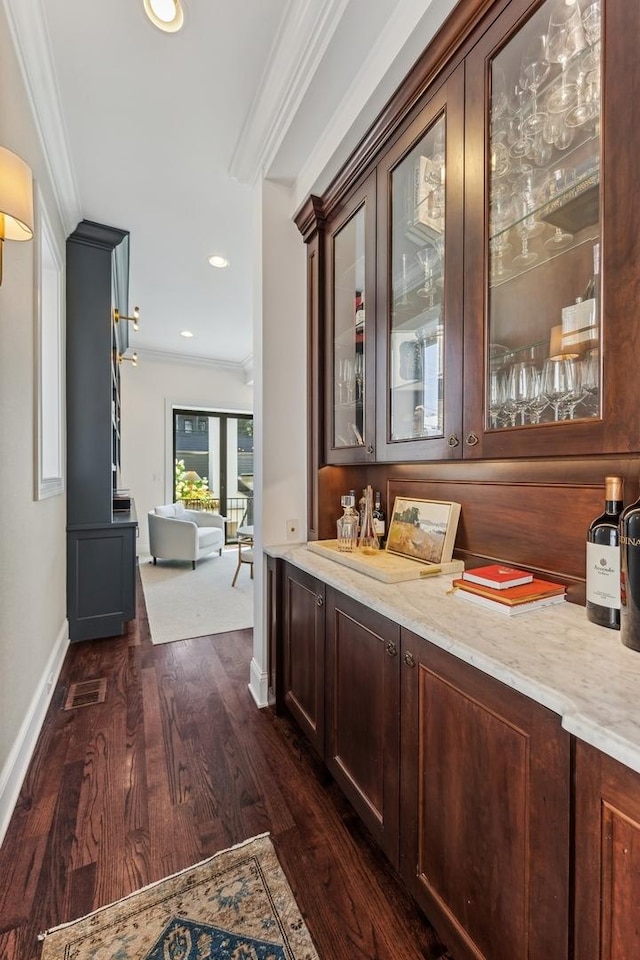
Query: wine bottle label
{"x": 378, "y": 526}
{"x": 603, "y": 575}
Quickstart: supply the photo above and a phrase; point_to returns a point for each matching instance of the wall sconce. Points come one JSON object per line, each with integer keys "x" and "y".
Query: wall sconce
{"x": 167, "y": 15}
{"x": 117, "y": 316}
{"x": 16, "y": 200}
{"x": 133, "y": 359}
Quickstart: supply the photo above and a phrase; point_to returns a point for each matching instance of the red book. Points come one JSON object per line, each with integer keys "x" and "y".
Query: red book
{"x": 513, "y": 596}
{"x": 498, "y": 575}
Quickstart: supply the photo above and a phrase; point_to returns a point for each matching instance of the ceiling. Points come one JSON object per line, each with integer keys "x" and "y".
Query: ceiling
{"x": 166, "y": 135}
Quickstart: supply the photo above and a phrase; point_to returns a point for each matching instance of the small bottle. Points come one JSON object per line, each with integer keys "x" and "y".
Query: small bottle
{"x": 603, "y": 559}
{"x": 362, "y": 503}
{"x": 630, "y": 576}
{"x": 379, "y": 519}
{"x": 347, "y": 525}
{"x": 368, "y": 541}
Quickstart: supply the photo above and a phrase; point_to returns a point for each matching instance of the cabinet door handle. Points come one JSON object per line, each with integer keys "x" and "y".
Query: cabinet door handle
{"x": 370, "y": 448}
{"x": 472, "y": 439}
{"x": 453, "y": 440}
{"x": 319, "y": 600}
{"x": 392, "y": 649}
{"x": 409, "y": 659}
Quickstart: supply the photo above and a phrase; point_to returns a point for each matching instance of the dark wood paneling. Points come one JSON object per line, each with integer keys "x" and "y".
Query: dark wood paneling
{"x": 485, "y": 810}
{"x": 303, "y": 654}
{"x": 607, "y": 844}
{"x": 362, "y": 713}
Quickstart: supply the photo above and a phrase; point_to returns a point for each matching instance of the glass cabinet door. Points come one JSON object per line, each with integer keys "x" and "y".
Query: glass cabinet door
{"x": 544, "y": 220}
{"x": 541, "y": 248}
{"x": 351, "y": 285}
{"x": 420, "y": 220}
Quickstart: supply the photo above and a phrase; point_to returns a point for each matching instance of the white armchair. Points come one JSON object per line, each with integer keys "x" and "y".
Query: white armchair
{"x": 179, "y": 534}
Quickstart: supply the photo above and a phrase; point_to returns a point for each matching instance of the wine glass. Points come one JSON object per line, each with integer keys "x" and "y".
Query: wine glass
{"x": 428, "y": 260}
{"x": 497, "y": 395}
{"x": 591, "y": 381}
{"x": 523, "y": 386}
{"x": 558, "y": 381}
{"x": 592, "y": 24}
{"x": 534, "y": 70}
{"x": 565, "y": 39}
{"x": 560, "y": 180}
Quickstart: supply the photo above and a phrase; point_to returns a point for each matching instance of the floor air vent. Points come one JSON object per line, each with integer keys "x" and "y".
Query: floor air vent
{"x": 86, "y": 692}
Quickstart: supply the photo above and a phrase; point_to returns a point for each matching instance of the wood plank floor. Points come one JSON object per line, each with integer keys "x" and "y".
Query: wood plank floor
{"x": 176, "y": 764}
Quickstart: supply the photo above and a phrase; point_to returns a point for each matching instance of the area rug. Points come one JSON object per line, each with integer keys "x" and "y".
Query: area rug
{"x": 237, "y": 905}
{"x": 183, "y": 603}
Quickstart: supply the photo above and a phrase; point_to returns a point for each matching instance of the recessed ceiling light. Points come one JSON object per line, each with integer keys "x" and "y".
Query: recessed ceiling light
{"x": 216, "y": 261}
{"x": 167, "y": 15}
{"x": 186, "y": 333}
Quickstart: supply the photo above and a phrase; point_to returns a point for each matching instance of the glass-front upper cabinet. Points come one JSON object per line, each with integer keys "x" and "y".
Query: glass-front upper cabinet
{"x": 420, "y": 310}
{"x": 350, "y": 369}
{"x": 541, "y": 250}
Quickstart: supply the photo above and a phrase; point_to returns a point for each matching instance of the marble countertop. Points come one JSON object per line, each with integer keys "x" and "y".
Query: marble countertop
{"x": 553, "y": 655}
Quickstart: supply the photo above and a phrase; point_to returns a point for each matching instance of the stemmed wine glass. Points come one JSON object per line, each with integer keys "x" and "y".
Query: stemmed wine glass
{"x": 592, "y": 24}
{"x": 591, "y": 381}
{"x": 523, "y": 387}
{"x": 558, "y": 381}
{"x": 497, "y": 395}
{"x": 533, "y": 72}
{"x": 560, "y": 180}
{"x": 428, "y": 258}
{"x": 566, "y": 39}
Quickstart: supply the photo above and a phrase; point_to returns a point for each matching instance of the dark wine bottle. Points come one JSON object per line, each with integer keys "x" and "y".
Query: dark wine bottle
{"x": 630, "y": 576}
{"x": 379, "y": 519}
{"x": 603, "y": 559}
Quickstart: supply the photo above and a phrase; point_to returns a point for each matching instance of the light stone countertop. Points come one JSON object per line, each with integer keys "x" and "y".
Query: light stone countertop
{"x": 553, "y": 655}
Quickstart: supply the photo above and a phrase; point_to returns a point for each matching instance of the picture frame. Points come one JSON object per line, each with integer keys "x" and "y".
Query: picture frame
{"x": 423, "y": 530}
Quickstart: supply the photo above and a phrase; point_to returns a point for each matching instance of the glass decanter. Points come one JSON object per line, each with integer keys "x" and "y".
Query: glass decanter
{"x": 368, "y": 541}
{"x": 348, "y": 524}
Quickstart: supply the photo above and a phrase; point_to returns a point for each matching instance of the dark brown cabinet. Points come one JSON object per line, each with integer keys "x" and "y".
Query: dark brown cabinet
{"x": 485, "y": 810}
{"x": 303, "y": 655}
{"x": 497, "y": 212}
{"x": 607, "y": 844}
{"x": 362, "y": 713}
{"x": 463, "y": 782}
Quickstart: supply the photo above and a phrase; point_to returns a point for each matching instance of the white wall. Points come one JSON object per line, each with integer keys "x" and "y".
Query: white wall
{"x": 149, "y": 391}
{"x": 280, "y": 362}
{"x": 33, "y": 628}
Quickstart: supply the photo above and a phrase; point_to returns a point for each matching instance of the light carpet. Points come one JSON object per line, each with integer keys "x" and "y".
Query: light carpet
{"x": 235, "y": 906}
{"x": 184, "y": 603}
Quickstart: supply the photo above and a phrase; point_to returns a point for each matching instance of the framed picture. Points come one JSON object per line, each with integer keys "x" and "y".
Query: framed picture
{"x": 423, "y": 530}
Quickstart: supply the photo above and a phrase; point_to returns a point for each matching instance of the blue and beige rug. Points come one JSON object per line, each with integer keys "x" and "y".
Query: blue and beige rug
{"x": 235, "y": 906}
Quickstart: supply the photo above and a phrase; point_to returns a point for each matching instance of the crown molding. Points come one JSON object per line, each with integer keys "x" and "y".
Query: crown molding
{"x": 306, "y": 31}
{"x": 242, "y": 370}
{"x": 409, "y": 17}
{"x": 30, "y": 38}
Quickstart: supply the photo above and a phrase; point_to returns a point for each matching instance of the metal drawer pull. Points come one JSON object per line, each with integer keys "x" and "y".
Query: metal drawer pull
{"x": 392, "y": 649}
{"x": 453, "y": 440}
{"x": 370, "y": 448}
{"x": 319, "y": 601}
{"x": 409, "y": 659}
{"x": 472, "y": 439}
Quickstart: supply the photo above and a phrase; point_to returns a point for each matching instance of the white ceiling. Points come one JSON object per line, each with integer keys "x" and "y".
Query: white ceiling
{"x": 165, "y": 135}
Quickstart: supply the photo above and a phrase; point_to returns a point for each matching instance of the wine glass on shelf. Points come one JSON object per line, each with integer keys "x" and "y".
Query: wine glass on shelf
{"x": 534, "y": 70}
{"x": 558, "y": 382}
{"x": 592, "y": 24}
{"x": 523, "y": 386}
{"x": 560, "y": 180}
{"x": 591, "y": 381}
{"x": 497, "y": 395}
{"x": 555, "y": 131}
{"x": 349, "y": 378}
{"x": 428, "y": 259}
{"x": 358, "y": 368}
{"x": 587, "y": 105}
{"x": 565, "y": 39}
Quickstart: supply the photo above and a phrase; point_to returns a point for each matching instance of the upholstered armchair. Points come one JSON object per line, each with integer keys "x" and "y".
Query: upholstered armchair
{"x": 179, "y": 534}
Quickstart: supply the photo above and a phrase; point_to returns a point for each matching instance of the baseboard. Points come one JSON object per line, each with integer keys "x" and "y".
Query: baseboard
{"x": 259, "y": 684}
{"x": 15, "y": 768}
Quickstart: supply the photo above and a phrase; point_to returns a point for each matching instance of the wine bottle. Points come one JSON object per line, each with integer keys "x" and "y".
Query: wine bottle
{"x": 630, "y": 576}
{"x": 379, "y": 519}
{"x": 603, "y": 559}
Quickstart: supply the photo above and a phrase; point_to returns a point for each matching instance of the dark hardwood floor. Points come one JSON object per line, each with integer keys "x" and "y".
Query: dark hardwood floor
{"x": 175, "y": 764}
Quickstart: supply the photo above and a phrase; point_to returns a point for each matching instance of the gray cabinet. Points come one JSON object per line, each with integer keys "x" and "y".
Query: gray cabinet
{"x": 101, "y": 552}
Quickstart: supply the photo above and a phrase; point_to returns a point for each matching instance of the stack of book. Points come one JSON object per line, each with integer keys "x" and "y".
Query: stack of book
{"x": 507, "y": 590}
